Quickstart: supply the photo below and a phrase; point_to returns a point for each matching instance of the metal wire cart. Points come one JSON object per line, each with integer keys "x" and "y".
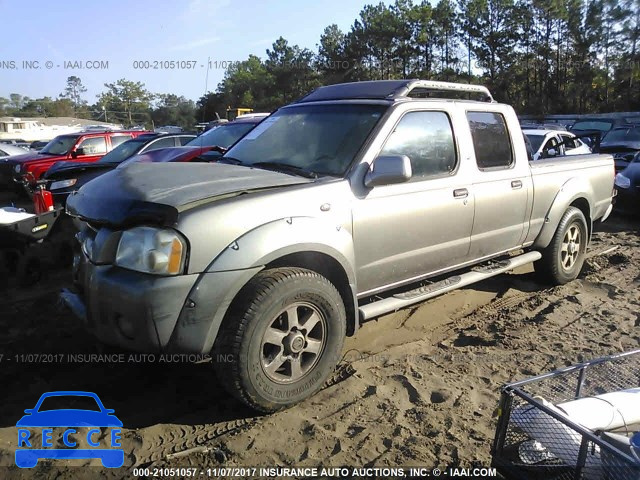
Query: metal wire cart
{"x": 579, "y": 422}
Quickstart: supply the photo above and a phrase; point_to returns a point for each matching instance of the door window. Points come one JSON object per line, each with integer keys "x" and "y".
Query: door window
{"x": 93, "y": 146}
{"x": 161, "y": 143}
{"x": 427, "y": 139}
{"x": 491, "y": 140}
{"x": 118, "y": 139}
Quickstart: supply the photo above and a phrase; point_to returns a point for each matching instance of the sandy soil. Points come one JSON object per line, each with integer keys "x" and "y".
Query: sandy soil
{"x": 419, "y": 387}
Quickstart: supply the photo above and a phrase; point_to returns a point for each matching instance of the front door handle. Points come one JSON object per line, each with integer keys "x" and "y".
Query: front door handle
{"x": 460, "y": 193}
{"x": 516, "y": 184}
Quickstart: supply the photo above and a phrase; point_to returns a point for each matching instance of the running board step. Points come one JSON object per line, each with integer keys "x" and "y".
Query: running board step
{"x": 420, "y": 294}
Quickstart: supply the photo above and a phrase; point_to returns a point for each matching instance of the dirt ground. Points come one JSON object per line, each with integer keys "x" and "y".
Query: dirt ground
{"x": 419, "y": 387}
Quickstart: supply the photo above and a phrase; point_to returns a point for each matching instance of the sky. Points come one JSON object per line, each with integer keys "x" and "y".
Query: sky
{"x": 60, "y": 39}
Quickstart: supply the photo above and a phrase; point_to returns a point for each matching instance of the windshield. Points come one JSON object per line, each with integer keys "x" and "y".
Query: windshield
{"x": 222, "y": 136}
{"x": 123, "y": 151}
{"x": 536, "y": 141}
{"x": 65, "y": 402}
{"x": 322, "y": 139}
{"x": 602, "y": 125}
{"x": 59, "y": 145}
{"x": 624, "y": 135}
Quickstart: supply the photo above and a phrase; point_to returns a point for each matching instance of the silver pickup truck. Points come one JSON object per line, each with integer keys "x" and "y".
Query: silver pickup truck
{"x": 355, "y": 201}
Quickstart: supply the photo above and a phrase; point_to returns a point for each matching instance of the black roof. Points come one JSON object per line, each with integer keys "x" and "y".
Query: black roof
{"x": 389, "y": 90}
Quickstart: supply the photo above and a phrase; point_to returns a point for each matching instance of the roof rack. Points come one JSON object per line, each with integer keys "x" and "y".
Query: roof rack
{"x": 434, "y": 86}
{"x": 391, "y": 90}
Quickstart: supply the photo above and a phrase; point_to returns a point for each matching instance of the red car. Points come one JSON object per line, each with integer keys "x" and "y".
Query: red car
{"x": 175, "y": 154}
{"x": 74, "y": 147}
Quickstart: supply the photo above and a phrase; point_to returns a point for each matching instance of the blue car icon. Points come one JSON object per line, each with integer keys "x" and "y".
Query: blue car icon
{"x": 68, "y": 418}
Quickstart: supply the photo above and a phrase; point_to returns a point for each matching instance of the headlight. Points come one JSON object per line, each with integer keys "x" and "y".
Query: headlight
{"x": 151, "y": 250}
{"x": 63, "y": 184}
{"x": 622, "y": 181}
{"x": 17, "y": 168}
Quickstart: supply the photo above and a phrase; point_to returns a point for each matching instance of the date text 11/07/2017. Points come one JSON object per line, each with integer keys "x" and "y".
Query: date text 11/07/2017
{"x": 313, "y": 472}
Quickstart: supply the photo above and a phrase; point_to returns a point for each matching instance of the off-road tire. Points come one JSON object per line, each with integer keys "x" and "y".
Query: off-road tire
{"x": 239, "y": 351}
{"x": 551, "y": 267}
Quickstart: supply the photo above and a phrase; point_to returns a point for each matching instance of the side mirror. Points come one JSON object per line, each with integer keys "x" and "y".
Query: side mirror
{"x": 552, "y": 152}
{"x": 29, "y": 411}
{"x": 78, "y": 152}
{"x": 388, "y": 170}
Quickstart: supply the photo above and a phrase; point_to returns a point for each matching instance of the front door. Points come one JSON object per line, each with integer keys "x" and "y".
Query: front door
{"x": 407, "y": 230}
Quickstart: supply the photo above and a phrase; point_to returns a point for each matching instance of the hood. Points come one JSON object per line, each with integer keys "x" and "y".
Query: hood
{"x": 157, "y": 192}
{"x": 74, "y": 167}
{"x": 619, "y": 146}
{"x": 29, "y": 157}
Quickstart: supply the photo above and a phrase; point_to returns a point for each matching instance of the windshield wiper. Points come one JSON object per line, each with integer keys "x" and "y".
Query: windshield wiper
{"x": 285, "y": 167}
{"x": 231, "y": 160}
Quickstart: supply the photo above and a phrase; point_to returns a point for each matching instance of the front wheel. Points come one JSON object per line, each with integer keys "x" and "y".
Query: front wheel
{"x": 562, "y": 260}
{"x": 282, "y": 338}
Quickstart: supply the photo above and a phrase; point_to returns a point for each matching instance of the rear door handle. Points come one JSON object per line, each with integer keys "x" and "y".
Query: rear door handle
{"x": 516, "y": 184}
{"x": 460, "y": 193}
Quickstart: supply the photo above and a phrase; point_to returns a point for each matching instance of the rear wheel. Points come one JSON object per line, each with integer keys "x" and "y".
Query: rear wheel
{"x": 562, "y": 260}
{"x": 282, "y": 338}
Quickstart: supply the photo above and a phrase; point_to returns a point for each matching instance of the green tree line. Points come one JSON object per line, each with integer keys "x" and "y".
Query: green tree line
{"x": 541, "y": 56}
{"x": 124, "y": 102}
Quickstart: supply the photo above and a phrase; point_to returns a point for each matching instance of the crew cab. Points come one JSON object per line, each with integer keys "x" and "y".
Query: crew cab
{"x": 358, "y": 200}
{"x": 75, "y": 147}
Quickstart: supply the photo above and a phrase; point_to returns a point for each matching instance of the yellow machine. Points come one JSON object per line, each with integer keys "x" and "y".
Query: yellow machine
{"x": 232, "y": 113}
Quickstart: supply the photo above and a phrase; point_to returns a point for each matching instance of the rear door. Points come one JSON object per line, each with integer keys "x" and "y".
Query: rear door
{"x": 406, "y": 231}
{"x": 502, "y": 187}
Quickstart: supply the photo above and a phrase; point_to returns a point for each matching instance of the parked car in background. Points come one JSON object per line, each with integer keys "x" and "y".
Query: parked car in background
{"x": 66, "y": 177}
{"x": 169, "y": 129}
{"x": 7, "y": 150}
{"x": 38, "y": 145}
{"x": 628, "y": 187}
{"x": 623, "y": 143}
{"x": 226, "y": 134}
{"x": 74, "y": 147}
{"x": 543, "y": 126}
{"x": 334, "y": 210}
{"x": 554, "y": 143}
{"x": 166, "y": 155}
{"x": 601, "y": 124}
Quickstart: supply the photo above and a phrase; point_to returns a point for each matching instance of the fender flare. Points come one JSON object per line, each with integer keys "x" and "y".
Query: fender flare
{"x": 274, "y": 240}
{"x": 576, "y": 188}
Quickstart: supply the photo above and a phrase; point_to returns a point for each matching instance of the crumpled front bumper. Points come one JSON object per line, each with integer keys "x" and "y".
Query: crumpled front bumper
{"x": 148, "y": 313}
{"x": 124, "y": 308}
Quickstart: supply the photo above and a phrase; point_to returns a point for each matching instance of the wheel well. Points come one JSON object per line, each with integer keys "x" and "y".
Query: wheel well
{"x": 329, "y": 268}
{"x": 583, "y": 206}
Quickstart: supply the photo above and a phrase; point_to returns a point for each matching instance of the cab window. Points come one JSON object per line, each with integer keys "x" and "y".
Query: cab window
{"x": 491, "y": 140}
{"x": 93, "y": 146}
{"x": 119, "y": 139}
{"x": 427, "y": 139}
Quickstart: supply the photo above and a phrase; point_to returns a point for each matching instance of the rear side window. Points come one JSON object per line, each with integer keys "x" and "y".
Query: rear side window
{"x": 427, "y": 139}
{"x": 491, "y": 140}
{"x": 185, "y": 140}
{"x": 118, "y": 139}
{"x": 161, "y": 143}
